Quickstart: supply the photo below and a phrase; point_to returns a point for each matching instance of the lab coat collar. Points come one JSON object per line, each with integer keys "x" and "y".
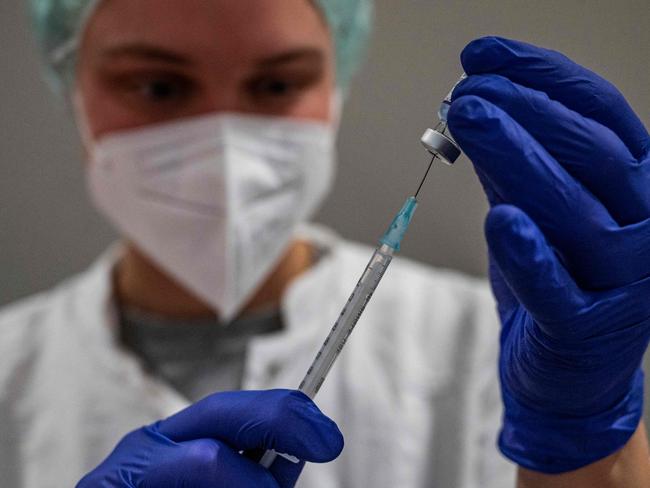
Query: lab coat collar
{"x": 95, "y": 304}
{"x": 97, "y": 320}
{"x": 310, "y": 307}
{"x": 303, "y": 299}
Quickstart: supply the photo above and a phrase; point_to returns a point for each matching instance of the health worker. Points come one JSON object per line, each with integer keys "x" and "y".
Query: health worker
{"x": 209, "y": 128}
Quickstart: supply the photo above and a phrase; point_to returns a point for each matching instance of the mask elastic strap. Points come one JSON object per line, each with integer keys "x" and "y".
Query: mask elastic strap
{"x": 81, "y": 120}
{"x": 336, "y": 109}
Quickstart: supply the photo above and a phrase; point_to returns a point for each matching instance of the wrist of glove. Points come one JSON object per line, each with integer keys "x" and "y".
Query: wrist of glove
{"x": 565, "y": 164}
{"x": 200, "y": 446}
{"x": 568, "y": 402}
{"x": 557, "y": 444}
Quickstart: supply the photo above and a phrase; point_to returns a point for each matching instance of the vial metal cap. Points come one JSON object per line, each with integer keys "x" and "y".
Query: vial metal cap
{"x": 441, "y": 146}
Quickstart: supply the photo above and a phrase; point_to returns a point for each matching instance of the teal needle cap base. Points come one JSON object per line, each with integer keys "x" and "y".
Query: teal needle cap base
{"x": 395, "y": 233}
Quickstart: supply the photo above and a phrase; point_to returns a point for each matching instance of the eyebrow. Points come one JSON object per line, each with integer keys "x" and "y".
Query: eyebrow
{"x": 156, "y": 53}
{"x": 146, "y": 51}
{"x": 307, "y": 54}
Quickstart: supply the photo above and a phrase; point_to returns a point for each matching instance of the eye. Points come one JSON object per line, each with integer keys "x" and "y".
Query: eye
{"x": 159, "y": 90}
{"x": 283, "y": 85}
{"x": 273, "y": 87}
{"x": 153, "y": 87}
{"x": 163, "y": 89}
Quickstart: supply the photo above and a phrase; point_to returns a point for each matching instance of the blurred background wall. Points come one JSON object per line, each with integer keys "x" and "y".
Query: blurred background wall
{"x": 49, "y": 231}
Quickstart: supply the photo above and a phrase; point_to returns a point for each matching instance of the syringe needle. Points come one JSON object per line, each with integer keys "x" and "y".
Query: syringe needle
{"x": 425, "y": 176}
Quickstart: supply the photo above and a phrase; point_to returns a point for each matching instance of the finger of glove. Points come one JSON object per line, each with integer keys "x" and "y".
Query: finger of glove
{"x": 522, "y": 173}
{"x": 627, "y": 304}
{"x": 132, "y": 456}
{"x": 207, "y": 463}
{"x": 507, "y": 303}
{"x": 284, "y": 420}
{"x": 563, "y": 80}
{"x": 285, "y": 472}
{"x": 589, "y": 151}
{"x": 530, "y": 268}
{"x": 492, "y": 197}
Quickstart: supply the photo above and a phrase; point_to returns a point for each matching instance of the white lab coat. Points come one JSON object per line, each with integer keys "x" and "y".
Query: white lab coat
{"x": 415, "y": 392}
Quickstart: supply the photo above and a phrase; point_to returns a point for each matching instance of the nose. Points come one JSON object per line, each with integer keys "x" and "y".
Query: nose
{"x": 220, "y": 96}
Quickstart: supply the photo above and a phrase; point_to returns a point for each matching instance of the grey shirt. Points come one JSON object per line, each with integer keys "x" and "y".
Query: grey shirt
{"x": 195, "y": 357}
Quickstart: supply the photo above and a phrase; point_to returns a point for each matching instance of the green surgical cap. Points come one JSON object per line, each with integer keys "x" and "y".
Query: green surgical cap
{"x": 59, "y": 24}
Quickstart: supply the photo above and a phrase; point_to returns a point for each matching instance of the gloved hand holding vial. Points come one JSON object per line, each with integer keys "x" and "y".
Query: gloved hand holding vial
{"x": 565, "y": 163}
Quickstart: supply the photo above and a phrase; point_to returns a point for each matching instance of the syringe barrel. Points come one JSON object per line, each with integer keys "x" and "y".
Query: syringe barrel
{"x": 348, "y": 318}
{"x": 342, "y": 329}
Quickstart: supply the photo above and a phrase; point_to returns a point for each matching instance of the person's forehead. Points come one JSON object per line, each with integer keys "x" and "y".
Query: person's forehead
{"x": 241, "y": 29}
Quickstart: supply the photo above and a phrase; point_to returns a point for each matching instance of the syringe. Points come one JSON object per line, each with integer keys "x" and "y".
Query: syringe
{"x": 349, "y": 316}
{"x": 440, "y": 146}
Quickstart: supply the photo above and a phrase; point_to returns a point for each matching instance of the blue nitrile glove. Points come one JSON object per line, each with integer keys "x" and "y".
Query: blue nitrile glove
{"x": 565, "y": 164}
{"x": 199, "y": 446}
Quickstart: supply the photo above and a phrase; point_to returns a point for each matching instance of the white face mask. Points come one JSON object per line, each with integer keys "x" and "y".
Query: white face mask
{"x": 214, "y": 200}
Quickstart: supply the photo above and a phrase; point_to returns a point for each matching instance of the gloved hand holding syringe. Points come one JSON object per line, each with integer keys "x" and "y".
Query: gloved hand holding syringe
{"x": 440, "y": 146}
